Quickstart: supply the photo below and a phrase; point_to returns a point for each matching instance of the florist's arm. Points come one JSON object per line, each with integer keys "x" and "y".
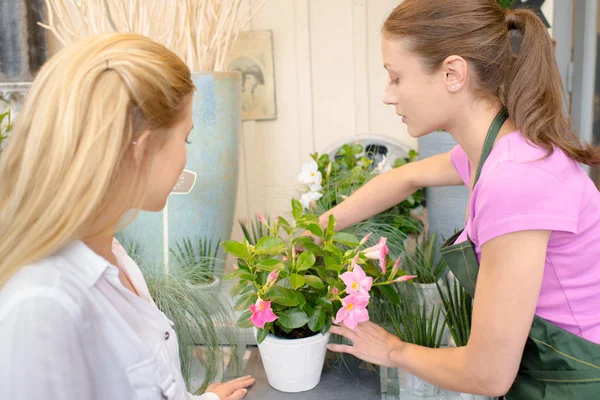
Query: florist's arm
{"x": 508, "y": 287}
{"x": 393, "y": 187}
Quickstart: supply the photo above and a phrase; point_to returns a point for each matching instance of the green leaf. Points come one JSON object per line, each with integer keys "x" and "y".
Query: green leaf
{"x": 315, "y": 230}
{"x": 297, "y": 281}
{"x": 357, "y": 149}
{"x": 244, "y": 320}
{"x": 285, "y": 224}
{"x": 283, "y": 296}
{"x": 270, "y": 264}
{"x": 391, "y": 294}
{"x": 322, "y": 273}
{"x": 325, "y": 304}
{"x": 296, "y": 209}
{"x": 241, "y": 274}
{"x": 293, "y": 318}
{"x": 301, "y": 299}
{"x": 314, "y": 281}
{"x": 346, "y": 239}
{"x": 333, "y": 250}
{"x": 261, "y": 335}
{"x": 269, "y": 245}
{"x": 332, "y": 265}
{"x": 326, "y": 326}
{"x": 331, "y": 223}
{"x": 245, "y": 301}
{"x": 238, "y": 288}
{"x": 305, "y": 261}
{"x": 317, "y": 319}
{"x": 234, "y": 248}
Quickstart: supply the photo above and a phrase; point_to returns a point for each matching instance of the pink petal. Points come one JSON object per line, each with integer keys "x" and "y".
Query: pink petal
{"x": 360, "y": 315}
{"x": 366, "y": 283}
{"x": 349, "y": 321}
{"x": 269, "y": 316}
{"x": 360, "y": 300}
{"x": 341, "y": 314}
{"x": 360, "y": 274}
{"x": 348, "y": 278}
{"x": 257, "y": 321}
{"x": 382, "y": 262}
{"x": 404, "y": 278}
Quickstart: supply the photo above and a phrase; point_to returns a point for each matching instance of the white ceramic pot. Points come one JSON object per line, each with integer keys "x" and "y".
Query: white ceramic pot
{"x": 420, "y": 388}
{"x": 294, "y": 365}
{"x": 212, "y": 287}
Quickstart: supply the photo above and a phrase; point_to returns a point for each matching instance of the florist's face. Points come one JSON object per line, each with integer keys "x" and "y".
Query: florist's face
{"x": 168, "y": 163}
{"x": 420, "y": 98}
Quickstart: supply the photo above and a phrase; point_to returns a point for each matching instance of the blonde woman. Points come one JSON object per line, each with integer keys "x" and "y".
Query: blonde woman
{"x": 103, "y": 131}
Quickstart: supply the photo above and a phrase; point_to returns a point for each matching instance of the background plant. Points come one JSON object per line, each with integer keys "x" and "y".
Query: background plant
{"x": 422, "y": 262}
{"x": 197, "y": 262}
{"x": 458, "y": 310}
{"x": 304, "y": 289}
{"x": 350, "y": 169}
{"x": 414, "y": 323}
{"x": 254, "y": 230}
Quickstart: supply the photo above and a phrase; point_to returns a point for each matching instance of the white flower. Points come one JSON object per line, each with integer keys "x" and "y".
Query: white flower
{"x": 316, "y": 187}
{"x": 310, "y": 174}
{"x": 383, "y": 166}
{"x": 309, "y": 197}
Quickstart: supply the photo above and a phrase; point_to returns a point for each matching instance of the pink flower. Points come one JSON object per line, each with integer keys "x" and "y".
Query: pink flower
{"x": 262, "y": 313}
{"x": 262, "y": 219}
{"x": 396, "y": 266}
{"x": 353, "y": 311}
{"x": 364, "y": 240}
{"x": 404, "y": 278}
{"x": 378, "y": 252}
{"x": 335, "y": 290}
{"x": 271, "y": 279}
{"x": 357, "y": 281}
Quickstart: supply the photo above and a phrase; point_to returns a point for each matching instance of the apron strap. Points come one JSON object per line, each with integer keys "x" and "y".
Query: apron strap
{"x": 490, "y": 138}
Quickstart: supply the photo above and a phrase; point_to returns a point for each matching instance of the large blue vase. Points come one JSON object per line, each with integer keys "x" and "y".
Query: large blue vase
{"x": 206, "y": 210}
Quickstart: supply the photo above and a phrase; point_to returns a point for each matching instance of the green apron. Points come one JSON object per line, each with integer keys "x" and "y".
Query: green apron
{"x": 556, "y": 364}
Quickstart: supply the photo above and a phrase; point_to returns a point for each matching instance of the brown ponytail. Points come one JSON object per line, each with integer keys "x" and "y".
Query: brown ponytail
{"x": 527, "y": 80}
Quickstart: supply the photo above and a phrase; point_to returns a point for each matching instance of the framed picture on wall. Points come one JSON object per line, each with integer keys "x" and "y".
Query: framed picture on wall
{"x": 252, "y": 55}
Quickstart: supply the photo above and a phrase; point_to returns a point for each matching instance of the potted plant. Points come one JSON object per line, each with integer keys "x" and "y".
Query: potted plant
{"x": 197, "y": 263}
{"x": 417, "y": 324}
{"x": 458, "y": 310}
{"x": 422, "y": 262}
{"x": 290, "y": 298}
{"x": 255, "y": 230}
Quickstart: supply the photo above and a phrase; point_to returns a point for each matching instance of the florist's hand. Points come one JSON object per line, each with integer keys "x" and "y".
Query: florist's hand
{"x": 232, "y": 390}
{"x": 370, "y": 343}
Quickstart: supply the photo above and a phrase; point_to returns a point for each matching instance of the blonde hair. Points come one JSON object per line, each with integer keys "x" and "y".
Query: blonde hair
{"x": 73, "y": 138}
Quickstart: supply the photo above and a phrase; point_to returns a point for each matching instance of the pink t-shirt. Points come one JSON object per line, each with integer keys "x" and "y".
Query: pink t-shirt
{"x": 517, "y": 191}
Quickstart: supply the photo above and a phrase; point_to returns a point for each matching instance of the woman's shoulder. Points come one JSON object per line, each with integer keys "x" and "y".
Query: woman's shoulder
{"x": 40, "y": 287}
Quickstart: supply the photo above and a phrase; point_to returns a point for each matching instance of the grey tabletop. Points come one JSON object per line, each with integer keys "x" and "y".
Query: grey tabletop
{"x": 352, "y": 380}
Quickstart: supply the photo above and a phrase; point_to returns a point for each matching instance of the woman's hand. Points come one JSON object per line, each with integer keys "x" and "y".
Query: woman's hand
{"x": 232, "y": 390}
{"x": 370, "y": 343}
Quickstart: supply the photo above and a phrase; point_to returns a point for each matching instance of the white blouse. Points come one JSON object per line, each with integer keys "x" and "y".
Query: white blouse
{"x": 70, "y": 330}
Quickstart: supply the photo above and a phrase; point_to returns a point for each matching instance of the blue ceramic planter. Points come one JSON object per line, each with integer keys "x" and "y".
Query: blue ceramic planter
{"x": 207, "y": 210}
